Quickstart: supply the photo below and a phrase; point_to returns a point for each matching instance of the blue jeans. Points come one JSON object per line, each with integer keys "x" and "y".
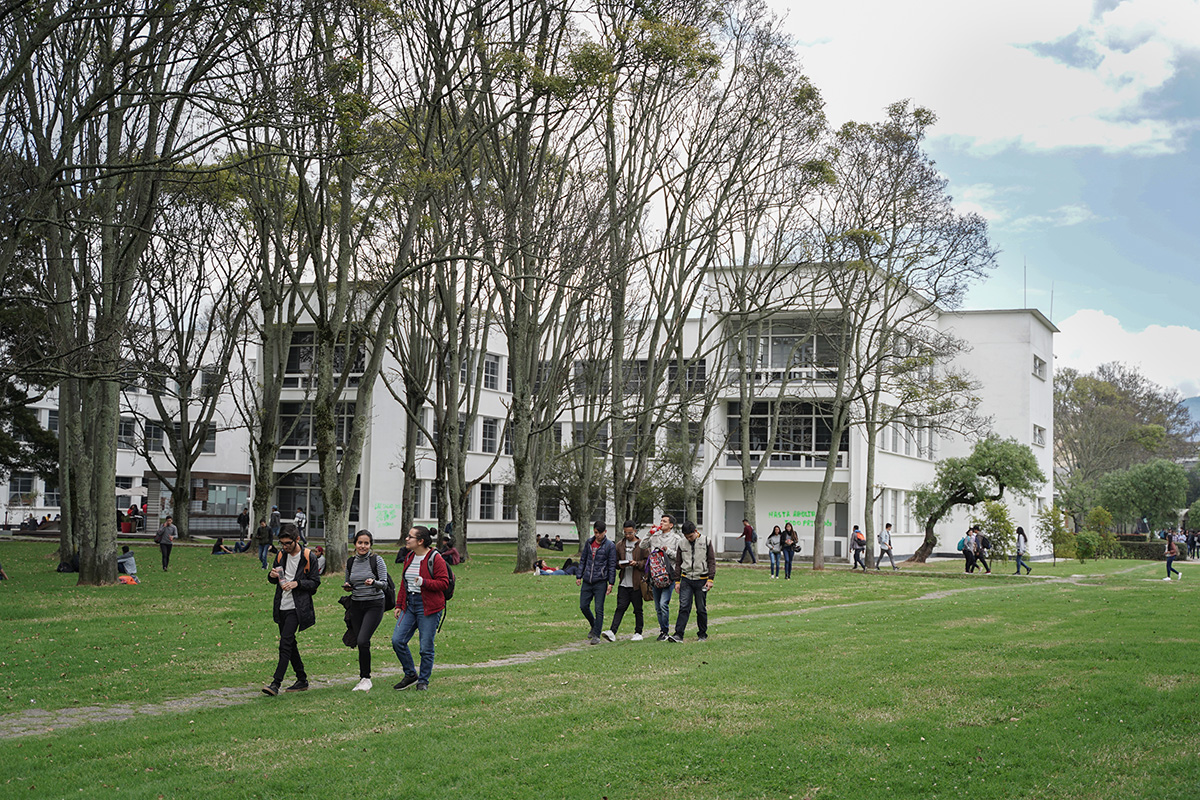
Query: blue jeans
{"x": 1021, "y": 563}
{"x": 692, "y": 590}
{"x": 788, "y": 555}
{"x": 411, "y": 620}
{"x": 593, "y": 592}
{"x": 1170, "y": 566}
{"x": 747, "y": 550}
{"x": 774, "y": 563}
{"x": 662, "y": 606}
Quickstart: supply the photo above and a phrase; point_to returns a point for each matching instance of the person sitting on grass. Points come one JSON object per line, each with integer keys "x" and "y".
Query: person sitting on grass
{"x": 219, "y": 548}
{"x": 127, "y": 564}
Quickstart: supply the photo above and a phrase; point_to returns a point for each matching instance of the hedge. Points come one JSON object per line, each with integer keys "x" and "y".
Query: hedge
{"x": 1149, "y": 551}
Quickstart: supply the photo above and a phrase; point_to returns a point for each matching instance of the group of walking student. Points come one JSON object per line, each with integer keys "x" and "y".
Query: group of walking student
{"x": 419, "y": 601}
{"x": 647, "y": 570}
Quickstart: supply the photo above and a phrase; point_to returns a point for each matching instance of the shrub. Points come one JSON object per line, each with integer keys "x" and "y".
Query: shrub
{"x": 1053, "y": 534}
{"x": 1148, "y": 551}
{"x": 1087, "y": 545}
{"x": 1132, "y": 537}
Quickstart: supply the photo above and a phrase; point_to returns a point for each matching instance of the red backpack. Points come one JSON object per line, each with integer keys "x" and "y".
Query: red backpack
{"x": 657, "y": 572}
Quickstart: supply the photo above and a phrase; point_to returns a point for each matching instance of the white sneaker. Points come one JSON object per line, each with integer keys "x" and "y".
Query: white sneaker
{"x": 609, "y": 636}
{"x": 637, "y": 637}
{"x": 363, "y": 685}
{"x": 1167, "y": 578}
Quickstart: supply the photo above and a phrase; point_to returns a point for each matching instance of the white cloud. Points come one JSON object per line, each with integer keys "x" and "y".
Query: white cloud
{"x": 1061, "y": 217}
{"x": 1166, "y": 354}
{"x": 983, "y": 67}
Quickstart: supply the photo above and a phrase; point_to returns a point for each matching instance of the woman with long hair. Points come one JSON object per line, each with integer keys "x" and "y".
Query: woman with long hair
{"x": 775, "y": 550}
{"x": 1022, "y": 549}
{"x": 790, "y": 543}
{"x": 419, "y": 605}
{"x": 366, "y": 577}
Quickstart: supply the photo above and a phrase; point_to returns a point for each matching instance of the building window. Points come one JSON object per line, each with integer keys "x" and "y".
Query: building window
{"x": 20, "y": 489}
{"x": 491, "y": 371}
{"x": 491, "y": 428}
{"x": 296, "y": 425}
{"x": 210, "y": 439}
{"x": 1039, "y": 367}
{"x": 803, "y": 434}
{"x": 434, "y": 497}
{"x": 508, "y": 439}
{"x": 1039, "y": 435}
{"x": 417, "y": 500}
{"x": 694, "y": 377}
{"x": 52, "y": 496}
{"x": 126, "y": 433}
{"x": 487, "y": 501}
{"x": 508, "y": 503}
{"x": 549, "y": 502}
{"x": 155, "y": 437}
{"x": 52, "y": 420}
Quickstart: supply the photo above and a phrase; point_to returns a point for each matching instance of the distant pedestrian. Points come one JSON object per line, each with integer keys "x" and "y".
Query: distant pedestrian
{"x": 275, "y": 522}
{"x": 885, "y": 547}
{"x": 983, "y": 548}
{"x": 858, "y": 546}
{"x": 1172, "y": 554}
{"x": 243, "y": 522}
{"x": 296, "y": 578}
{"x": 1022, "y": 550}
{"x": 301, "y": 522}
{"x": 791, "y": 543}
{"x": 165, "y": 538}
{"x": 749, "y": 537}
{"x": 263, "y": 538}
{"x": 967, "y": 546}
{"x": 775, "y": 550}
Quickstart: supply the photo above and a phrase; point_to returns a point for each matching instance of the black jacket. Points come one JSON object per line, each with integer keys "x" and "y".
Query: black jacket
{"x": 308, "y": 576}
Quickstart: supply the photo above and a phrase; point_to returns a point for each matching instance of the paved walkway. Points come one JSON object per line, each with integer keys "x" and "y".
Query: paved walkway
{"x": 38, "y": 721}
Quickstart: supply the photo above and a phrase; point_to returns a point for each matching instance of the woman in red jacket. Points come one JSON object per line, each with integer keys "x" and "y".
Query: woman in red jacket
{"x": 419, "y": 605}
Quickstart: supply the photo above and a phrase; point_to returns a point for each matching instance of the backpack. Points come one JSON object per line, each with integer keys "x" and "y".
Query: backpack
{"x": 753, "y": 536}
{"x": 307, "y": 563}
{"x": 389, "y": 590}
{"x": 657, "y": 572}
{"x": 860, "y": 538}
{"x": 962, "y": 544}
{"x": 984, "y": 542}
{"x": 449, "y": 593}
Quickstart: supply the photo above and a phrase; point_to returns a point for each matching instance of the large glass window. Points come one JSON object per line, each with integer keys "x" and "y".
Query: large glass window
{"x": 491, "y": 371}
{"x": 803, "y": 434}
{"x": 778, "y": 345}
{"x": 487, "y": 501}
{"x": 126, "y": 433}
{"x": 693, "y": 380}
{"x": 303, "y": 490}
{"x": 20, "y": 489}
{"x": 491, "y": 429}
{"x": 549, "y": 504}
{"x": 296, "y": 428}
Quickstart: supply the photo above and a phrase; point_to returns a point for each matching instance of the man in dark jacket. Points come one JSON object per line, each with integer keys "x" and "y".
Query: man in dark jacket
{"x": 597, "y": 574}
{"x": 697, "y": 562}
{"x": 296, "y": 576}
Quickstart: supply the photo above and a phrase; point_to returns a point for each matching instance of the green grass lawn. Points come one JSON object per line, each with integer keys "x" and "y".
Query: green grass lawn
{"x": 890, "y": 685}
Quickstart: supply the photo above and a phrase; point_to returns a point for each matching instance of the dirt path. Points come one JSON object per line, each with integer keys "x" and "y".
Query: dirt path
{"x": 37, "y": 721}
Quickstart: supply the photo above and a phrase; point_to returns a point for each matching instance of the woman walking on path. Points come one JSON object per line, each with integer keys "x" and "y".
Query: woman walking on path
{"x": 366, "y": 576}
{"x": 790, "y": 543}
{"x": 1172, "y": 554}
{"x": 420, "y": 605}
{"x": 775, "y": 550}
{"x": 1022, "y": 549}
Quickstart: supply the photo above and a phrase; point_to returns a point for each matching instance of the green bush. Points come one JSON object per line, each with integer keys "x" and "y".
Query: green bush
{"x": 1132, "y": 537}
{"x": 1149, "y": 551}
{"x": 1087, "y": 545}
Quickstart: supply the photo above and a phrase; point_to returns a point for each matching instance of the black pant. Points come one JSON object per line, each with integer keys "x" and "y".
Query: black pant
{"x": 858, "y": 559}
{"x": 165, "y": 549}
{"x": 625, "y": 596}
{"x": 288, "y": 652}
{"x": 969, "y": 555}
{"x": 982, "y": 561}
{"x": 692, "y": 589}
{"x": 365, "y": 616}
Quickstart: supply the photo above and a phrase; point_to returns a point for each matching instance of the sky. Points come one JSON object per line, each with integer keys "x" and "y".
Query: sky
{"x": 1073, "y": 127}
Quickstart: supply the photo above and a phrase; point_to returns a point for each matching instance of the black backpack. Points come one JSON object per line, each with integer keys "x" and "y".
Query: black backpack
{"x": 449, "y": 593}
